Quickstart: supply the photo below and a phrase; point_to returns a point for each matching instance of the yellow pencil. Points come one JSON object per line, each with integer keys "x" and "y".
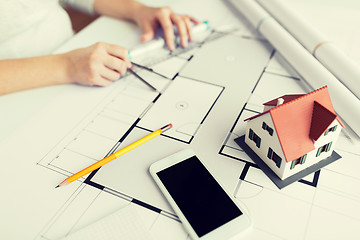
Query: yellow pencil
{"x": 114, "y": 155}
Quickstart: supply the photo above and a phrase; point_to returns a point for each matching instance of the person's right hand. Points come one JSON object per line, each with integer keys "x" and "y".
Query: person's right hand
{"x": 149, "y": 18}
{"x": 97, "y": 65}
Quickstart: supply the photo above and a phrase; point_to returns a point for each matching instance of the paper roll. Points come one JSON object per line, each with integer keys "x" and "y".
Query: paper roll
{"x": 336, "y": 61}
{"x": 346, "y": 104}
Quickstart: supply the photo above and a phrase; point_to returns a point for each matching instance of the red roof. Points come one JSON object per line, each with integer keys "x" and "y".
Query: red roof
{"x": 321, "y": 119}
{"x": 300, "y": 121}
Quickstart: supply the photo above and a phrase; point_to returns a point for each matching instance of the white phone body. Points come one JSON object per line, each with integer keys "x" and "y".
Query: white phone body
{"x": 205, "y": 208}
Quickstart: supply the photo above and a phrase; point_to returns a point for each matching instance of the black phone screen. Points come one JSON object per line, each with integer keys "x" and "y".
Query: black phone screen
{"x": 198, "y": 195}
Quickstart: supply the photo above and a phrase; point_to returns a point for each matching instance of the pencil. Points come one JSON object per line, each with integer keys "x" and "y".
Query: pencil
{"x": 148, "y": 69}
{"x": 114, "y": 156}
{"x": 140, "y": 78}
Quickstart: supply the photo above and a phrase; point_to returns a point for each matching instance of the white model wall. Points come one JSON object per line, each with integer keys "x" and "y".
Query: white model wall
{"x": 266, "y": 141}
{"x": 311, "y": 158}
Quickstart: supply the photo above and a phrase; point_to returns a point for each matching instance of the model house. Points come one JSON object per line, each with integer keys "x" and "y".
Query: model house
{"x": 294, "y": 132}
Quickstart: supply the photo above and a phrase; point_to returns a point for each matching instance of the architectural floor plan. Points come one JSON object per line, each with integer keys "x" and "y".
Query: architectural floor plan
{"x": 206, "y": 94}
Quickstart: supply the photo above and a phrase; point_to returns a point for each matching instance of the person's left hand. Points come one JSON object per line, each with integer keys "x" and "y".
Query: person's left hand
{"x": 149, "y": 18}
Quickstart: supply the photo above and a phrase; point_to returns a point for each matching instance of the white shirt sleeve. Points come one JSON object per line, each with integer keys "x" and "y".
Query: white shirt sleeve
{"x": 82, "y": 5}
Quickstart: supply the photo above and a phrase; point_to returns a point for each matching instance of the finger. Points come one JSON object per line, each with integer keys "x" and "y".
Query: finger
{"x": 116, "y": 64}
{"x": 148, "y": 32}
{"x": 182, "y": 29}
{"x": 102, "y": 82}
{"x": 118, "y": 52}
{"x": 97, "y": 80}
{"x": 109, "y": 74}
{"x": 193, "y": 20}
{"x": 166, "y": 24}
{"x": 189, "y": 28}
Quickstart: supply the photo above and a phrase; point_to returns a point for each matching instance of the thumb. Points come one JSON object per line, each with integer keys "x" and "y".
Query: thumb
{"x": 148, "y": 33}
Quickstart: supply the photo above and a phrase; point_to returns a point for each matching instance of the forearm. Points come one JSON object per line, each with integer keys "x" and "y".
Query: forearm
{"x": 27, "y": 73}
{"x": 122, "y": 9}
{"x": 96, "y": 65}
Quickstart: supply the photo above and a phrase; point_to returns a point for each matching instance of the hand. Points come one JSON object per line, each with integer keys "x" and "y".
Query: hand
{"x": 97, "y": 65}
{"x": 149, "y": 18}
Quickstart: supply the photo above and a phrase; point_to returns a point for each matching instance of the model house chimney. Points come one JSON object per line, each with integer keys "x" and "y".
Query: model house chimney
{"x": 273, "y": 103}
{"x": 280, "y": 101}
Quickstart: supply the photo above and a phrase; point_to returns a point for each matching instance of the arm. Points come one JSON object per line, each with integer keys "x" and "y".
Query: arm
{"x": 148, "y": 19}
{"x": 97, "y": 65}
{"x": 26, "y": 73}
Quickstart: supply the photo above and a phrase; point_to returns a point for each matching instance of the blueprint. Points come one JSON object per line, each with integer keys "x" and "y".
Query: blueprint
{"x": 205, "y": 91}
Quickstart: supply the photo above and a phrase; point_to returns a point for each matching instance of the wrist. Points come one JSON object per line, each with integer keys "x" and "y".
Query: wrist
{"x": 133, "y": 11}
{"x": 121, "y": 9}
{"x": 66, "y": 68}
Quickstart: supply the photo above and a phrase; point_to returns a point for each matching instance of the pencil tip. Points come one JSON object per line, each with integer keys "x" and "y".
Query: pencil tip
{"x": 167, "y": 127}
{"x": 57, "y": 186}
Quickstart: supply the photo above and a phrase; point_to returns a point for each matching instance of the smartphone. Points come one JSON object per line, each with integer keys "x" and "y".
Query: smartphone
{"x": 204, "y": 207}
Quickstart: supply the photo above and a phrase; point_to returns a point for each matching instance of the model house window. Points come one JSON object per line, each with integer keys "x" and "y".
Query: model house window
{"x": 267, "y": 128}
{"x": 300, "y": 160}
{"x": 324, "y": 148}
{"x": 273, "y": 156}
{"x": 332, "y": 129}
{"x": 255, "y": 138}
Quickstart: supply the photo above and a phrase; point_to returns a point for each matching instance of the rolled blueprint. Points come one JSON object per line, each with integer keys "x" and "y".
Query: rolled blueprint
{"x": 336, "y": 61}
{"x": 346, "y": 104}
